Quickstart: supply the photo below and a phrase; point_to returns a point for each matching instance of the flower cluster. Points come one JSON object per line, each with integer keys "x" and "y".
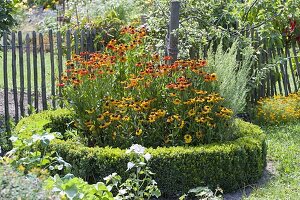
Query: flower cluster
{"x": 125, "y": 95}
{"x": 279, "y": 109}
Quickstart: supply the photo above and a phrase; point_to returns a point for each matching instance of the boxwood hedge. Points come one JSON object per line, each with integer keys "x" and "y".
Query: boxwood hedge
{"x": 230, "y": 165}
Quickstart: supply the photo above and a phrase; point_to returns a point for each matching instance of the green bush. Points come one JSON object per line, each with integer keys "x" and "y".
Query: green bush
{"x": 230, "y": 165}
{"x": 57, "y": 121}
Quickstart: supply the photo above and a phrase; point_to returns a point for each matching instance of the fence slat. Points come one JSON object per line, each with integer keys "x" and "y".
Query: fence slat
{"x": 35, "y": 72}
{"x": 52, "y": 68}
{"x": 21, "y": 65}
{"x": 43, "y": 72}
{"x": 28, "y": 72}
{"x": 68, "y": 41}
{"x": 5, "y": 78}
{"x": 296, "y": 59}
{"x": 14, "y": 73}
{"x": 82, "y": 36}
{"x": 272, "y": 75}
{"x": 289, "y": 60}
{"x": 60, "y": 67}
{"x": 76, "y": 42}
{"x": 286, "y": 72}
{"x": 283, "y": 74}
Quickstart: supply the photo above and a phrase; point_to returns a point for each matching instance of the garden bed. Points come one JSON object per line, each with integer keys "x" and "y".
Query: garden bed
{"x": 230, "y": 165}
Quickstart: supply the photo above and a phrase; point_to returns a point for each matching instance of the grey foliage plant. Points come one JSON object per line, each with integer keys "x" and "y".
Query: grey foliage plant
{"x": 233, "y": 76}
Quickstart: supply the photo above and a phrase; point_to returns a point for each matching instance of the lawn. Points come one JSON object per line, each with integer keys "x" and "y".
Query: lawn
{"x": 284, "y": 150}
{"x": 10, "y": 75}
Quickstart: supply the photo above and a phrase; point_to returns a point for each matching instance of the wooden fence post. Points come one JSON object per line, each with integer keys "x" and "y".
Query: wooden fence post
{"x": 173, "y": 26}
{"x": 14, "y": 75}
{"x": 6, "y": 109}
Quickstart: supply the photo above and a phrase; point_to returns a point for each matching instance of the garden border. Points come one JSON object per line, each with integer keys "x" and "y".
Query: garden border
{"x": 230, "y": 165}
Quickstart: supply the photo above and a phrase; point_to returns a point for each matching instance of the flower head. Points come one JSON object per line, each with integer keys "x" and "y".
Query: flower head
{"x": 136, "y": 148}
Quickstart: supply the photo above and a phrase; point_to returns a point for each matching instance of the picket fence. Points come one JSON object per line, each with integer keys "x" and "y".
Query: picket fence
{"x": 32, "y": 47}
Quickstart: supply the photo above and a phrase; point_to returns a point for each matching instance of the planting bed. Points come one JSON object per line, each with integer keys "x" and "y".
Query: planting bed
{"x": 230, "y": 165}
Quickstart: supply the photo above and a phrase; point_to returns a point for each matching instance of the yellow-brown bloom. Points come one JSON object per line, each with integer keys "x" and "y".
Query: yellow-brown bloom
{"x": 187, "y": 138}
{"x": 138, "y": 132}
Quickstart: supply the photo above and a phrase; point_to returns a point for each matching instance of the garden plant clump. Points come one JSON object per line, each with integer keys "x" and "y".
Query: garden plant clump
{"x": 279, "y": 109}
{"x": 127, "y": 95}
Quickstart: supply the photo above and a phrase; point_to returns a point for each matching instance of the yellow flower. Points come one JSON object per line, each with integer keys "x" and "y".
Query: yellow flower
{"x": 151, "y": 118}
{"x": 21, "y": 168}
{"x": 182, "y": 124}
{"x": 187, "y": 138}
{"x": 126, "y": 118}
{"x": 200, "y": 119}
{"x": 172, "y": 94}
{"x": 170, "y": 119}
{"x": 114, "y": 135}
{"x": 90, "y": 111}
{"x": 199, "y": 134}
{"x": 138, "y": 132}
{"x": 177, "y": 101}
{"x": 100, "y": 117}
{"x": 192, "y": 112}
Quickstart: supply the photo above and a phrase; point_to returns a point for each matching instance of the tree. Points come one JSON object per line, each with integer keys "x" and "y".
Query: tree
{"x": 6, "y": 18}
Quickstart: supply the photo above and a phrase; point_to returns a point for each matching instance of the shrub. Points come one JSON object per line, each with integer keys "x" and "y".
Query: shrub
{"x": 126, "y": 95}
{"x": 59, "y": 120}
{"x": 279, "y": 109}
{"x": 229, "y": 165}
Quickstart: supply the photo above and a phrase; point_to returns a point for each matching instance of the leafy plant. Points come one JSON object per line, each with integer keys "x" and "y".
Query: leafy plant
{"x": 139, "y": 185}
{"x": 6, "y": 16}
{"x": 204, "y": 193}
{"x": 31, "y": 155}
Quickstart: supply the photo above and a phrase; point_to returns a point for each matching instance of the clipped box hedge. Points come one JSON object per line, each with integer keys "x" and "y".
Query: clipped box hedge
{"x": 230, "y": 165}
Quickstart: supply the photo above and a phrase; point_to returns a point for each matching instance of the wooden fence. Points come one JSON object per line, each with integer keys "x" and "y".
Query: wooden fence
{"x": 41, "y": 89}
{"x": 23, "y": 68}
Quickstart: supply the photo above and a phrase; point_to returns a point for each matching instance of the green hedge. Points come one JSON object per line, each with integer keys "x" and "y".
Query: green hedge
{"x": 56, "y": 120}
{"x": 230, "y": 165}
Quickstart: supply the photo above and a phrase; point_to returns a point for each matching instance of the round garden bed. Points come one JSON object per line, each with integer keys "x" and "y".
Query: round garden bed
{"x": 229, "y": 165}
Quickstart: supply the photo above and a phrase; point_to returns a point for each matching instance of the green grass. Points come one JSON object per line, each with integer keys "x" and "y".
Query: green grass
{"x": 284, "y": 150}
{"x": 10, "y": 75}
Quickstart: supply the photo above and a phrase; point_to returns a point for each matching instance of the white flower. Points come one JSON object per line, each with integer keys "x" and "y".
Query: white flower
{"x": 147, "y": 156}
{"x": 130, "y": 165}
{"x": 35, "y": 137}
{"x": 13, "y": 138}
{"x": 136, "y": 148}
{"x": 122, "y": 191}
{"x": 109, "y": 177}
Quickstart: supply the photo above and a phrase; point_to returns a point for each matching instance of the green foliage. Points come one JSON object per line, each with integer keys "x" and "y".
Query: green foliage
{"x": 234, "y": 76}
{"x": 229, "y": 165}
{"x": 70, "y": 187}
{"x": 204, "y": 22}
{"x": 59, "y": 120}
{"x": 6, "y": 16}
{"x": 31, "y": 155}
{"x": 203, "y": 193}
{"x": 14, "y": 185}
{"x": 139, "y": 185}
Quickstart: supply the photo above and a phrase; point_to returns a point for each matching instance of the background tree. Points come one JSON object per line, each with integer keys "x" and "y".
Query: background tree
{"x": 6, "y": 16}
